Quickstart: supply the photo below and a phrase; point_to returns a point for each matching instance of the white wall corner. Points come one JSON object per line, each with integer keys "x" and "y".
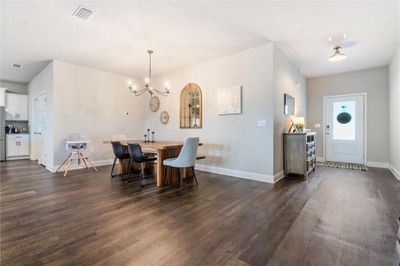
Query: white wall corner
{"x": 378, "y": 164}
{"x": 51, "y": 168}
{"x": 236, "y": 173}
{"x": 395, "y": 172}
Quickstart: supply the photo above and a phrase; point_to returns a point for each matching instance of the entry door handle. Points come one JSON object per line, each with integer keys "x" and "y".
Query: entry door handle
{"x": 327, "y": 129}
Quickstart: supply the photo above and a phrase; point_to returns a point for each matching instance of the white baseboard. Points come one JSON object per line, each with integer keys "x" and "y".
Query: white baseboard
{"x": 202, "y": 167}
{"x": 74, "y": 165}
{"x": 278, "y": 176}
{"x": 378, "y": 164}
{"x": 240, "y": 174}
{"x": 17, "y": 158}
{"x": 320, "y": 159}
{"x": 395, "y": 172}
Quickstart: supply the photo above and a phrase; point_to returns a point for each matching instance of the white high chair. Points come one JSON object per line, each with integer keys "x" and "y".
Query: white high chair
{"x": 75, "y": 145}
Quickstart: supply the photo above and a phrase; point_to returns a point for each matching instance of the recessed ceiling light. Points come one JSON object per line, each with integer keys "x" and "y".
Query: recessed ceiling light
{"x": 83, "y": 13}
{"x": 17, "y": 65}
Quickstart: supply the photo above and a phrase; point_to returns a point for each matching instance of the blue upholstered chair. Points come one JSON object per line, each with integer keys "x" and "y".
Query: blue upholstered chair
{"x": 186, "y": 159}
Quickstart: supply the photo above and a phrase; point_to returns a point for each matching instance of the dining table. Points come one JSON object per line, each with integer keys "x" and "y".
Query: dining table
{"x": 163, "y": 149}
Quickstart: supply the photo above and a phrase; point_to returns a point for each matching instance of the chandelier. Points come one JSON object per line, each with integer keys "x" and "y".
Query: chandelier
{"x": 147, "y": 85}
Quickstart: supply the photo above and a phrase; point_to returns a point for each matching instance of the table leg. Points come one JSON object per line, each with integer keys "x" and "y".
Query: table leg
{"x": 160, "y": 168}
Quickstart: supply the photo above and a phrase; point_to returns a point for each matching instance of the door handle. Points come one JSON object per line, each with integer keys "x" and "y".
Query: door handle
{"x": 327, "y": 129}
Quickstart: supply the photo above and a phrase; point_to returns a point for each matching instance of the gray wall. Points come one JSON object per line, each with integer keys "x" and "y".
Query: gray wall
{"x": 394, "y": 81}
{"x": 93, "y": 103}
{"x": 232, "y": 142}
{"x": 87, "y": 101}
{"x": 372, "y": 81}
{"x": 286, "y": 76}
{"x": 14, "y": 87}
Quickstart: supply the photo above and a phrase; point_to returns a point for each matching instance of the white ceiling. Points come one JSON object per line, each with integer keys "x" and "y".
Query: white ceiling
{"x": 116, "y": 38}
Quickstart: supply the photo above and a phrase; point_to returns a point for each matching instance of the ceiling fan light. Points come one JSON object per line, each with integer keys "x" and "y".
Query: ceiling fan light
{"x": 337, "y": 56}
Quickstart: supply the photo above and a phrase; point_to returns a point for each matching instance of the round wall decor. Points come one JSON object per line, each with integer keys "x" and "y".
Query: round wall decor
{"x": 164, "y": 117}
{"x": 154, "y": 103}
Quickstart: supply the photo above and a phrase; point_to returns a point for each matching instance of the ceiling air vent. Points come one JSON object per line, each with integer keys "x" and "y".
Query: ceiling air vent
{"x": 83, "y": 13}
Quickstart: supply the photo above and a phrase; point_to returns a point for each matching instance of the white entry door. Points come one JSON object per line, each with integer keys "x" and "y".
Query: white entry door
{"x": 344, "y": 128}
{"x": 42, "y": 129}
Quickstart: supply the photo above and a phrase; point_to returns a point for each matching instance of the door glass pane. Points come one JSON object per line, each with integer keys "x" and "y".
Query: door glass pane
{"x": 344, "y": 120}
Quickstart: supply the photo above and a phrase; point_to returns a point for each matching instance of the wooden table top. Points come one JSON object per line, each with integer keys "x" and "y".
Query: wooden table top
{"x": 158, "y": 145}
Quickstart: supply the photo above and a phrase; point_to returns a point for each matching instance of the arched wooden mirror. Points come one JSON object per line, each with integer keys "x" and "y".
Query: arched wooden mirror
{"x": 191, "y": 106}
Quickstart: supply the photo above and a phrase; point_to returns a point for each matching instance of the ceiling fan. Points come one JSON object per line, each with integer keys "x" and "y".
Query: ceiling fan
{"x": 338, "y": 43}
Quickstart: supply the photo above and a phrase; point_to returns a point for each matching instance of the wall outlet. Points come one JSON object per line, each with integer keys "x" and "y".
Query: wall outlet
{"x": 262, "y": 123}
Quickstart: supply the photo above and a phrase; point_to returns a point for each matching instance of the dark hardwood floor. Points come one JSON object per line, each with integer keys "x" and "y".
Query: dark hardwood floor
{"x": 336, "y": 217}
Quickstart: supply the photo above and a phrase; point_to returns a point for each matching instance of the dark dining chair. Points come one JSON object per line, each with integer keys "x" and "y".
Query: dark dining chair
{"x": 137, "y": 156}
{"x": 119, "y": 153}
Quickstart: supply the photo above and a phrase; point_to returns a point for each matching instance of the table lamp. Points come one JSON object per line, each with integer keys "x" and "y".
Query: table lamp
{"x": 299, "y": 123}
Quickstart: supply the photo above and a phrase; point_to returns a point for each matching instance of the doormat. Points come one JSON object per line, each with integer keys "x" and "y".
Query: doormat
{"x": 352, "y": 166}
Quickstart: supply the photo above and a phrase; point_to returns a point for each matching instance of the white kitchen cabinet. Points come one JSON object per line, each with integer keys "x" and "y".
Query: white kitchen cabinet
{"x": 17, "y": 146}
{"x": 12, "y": 149}
{"x": 16, "y": 106}
{"x": 12, "y": 106}
{"x": 24, "y": 146}
{"x": 23, "y": 107}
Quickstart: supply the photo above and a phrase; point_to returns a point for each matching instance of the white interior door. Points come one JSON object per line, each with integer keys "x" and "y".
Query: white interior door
{"x": 41, "y": 133}
{"x": 34, "y": 129}
{"x": 344, "y": 128}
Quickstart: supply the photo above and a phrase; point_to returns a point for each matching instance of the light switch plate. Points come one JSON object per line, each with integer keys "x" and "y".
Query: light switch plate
{"x": 317, "y": 125}
{"x": 262, "y": 123}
